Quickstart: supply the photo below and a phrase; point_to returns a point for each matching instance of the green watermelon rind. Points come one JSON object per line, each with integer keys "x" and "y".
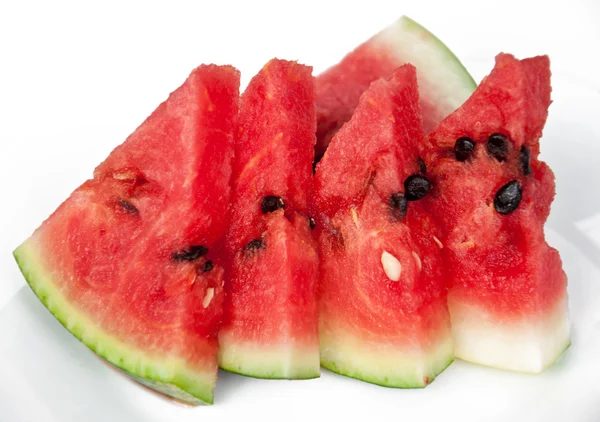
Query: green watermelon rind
{"x": 414, "y": 27}
{"x": 256, "y": 361}
{"x": 444, "y": 82}
{"x": 269, "y": 374}
{"x": 402, "y": 382}
{"x": 170, "y": 377}
{"x": 390, "y": 382}
{"x": 385, "y": 364}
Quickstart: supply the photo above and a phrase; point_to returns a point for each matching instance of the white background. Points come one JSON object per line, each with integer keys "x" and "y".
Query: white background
{"x": 76, "y": 78}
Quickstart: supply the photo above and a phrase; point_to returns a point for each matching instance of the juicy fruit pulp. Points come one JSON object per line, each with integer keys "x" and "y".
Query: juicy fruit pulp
{"x": 382, "y": 307}
{"x": 444, "y": 83}
{"x": 125, "y": 263}
{"x": 270, "y": 315}
{"x": 508, "y": 297}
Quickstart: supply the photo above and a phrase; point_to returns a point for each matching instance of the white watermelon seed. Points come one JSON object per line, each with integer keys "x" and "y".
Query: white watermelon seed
{"x": 123, "y": 175}
{"x": 210, "y": 292}
{"x": 354, "y": 216}
{"x": 417, "y": 260}
{"x": 391, "y": 266}
{"x": 438, "y": 242}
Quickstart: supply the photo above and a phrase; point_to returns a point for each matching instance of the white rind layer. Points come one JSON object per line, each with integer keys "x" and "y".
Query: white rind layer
{"x": 386, "y": 364}
{"x": 528, "y": 344}
{"x": 272, "y": 361}
{"x": 441, "y": 75}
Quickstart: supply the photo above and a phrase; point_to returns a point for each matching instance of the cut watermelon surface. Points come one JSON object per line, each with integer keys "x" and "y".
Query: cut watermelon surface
{"x": 382, "y": 297}
{"x": 492, "y": 194}
{"x": 444, "y": 83}
{"x": 126, "y": 262}
{"x": 212, "y": 237}
{"x": 270, "y": 315}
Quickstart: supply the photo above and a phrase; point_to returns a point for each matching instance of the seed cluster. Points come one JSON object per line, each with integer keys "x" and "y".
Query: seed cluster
{"x": 508, "y": 197}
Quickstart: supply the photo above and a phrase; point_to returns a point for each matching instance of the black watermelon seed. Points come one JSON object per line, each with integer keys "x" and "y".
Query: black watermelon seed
{"x": 416, "y": 187}
{"x": 271, "y": 203}
{"x": 399, "y": 205}
{"x": 190, "y": 254}
{"x": 422, "y": 166}
{"x": 508, "y": 197}
{"x": 311, "y": 222}
{"x": 463, "y": 148}
{"x": 128, "y": 207}
{"x": 208, "y": 265}
{"x": 497, "y": 146}
{"x": 253, "y": 245}
{"x": 525, "y": 160}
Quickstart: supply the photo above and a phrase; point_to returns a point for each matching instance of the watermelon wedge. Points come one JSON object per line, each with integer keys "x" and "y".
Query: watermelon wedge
{"x": 492, "y": 194}
{"x": 382, "y": 309}
{"x": 126, "y": 262}
{"x": 270, "y": 315}
{"x": 444, "y": 83}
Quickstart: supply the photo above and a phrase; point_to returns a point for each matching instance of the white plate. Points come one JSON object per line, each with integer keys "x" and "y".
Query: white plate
{"x": 47, "y": 375}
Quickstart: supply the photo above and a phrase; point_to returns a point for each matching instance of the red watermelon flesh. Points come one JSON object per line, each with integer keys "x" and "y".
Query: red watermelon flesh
{"x": 382, "y": 309}
{"x": 444, "y": 83}
{"x": 508, "y": 297}
{"x": 270, "y": 315}
{"x": 126, "y": 262}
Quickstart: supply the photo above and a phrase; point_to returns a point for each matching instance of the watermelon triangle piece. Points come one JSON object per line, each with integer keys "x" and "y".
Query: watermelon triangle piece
{"x": 444, "y": 83}
{"x": 126, "y": 262}
{"x": 492, "y": 195}
{"x": 270, "y": 314}
{"x": 383, "y": 316}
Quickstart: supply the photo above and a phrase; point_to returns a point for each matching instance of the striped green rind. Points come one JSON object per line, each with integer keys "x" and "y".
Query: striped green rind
{"x": 169, "y": 375}
{"x": 459, "y": 68}
{"x": 268, "y": 373}
{"x": 384, "y": 365}
{"x": 444, "y": 83}
{"x": 268, "y": 361}
{"x": 410, "y": 380}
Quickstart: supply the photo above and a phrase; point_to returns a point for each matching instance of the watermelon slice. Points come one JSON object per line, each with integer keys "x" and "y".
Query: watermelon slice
{"x": 444, "y": 83}
{"x": 126, "y": 262}
{"x": 382, "y": 316}
{"x": 270, "y": 327}
{"x": 508, "y": 297}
